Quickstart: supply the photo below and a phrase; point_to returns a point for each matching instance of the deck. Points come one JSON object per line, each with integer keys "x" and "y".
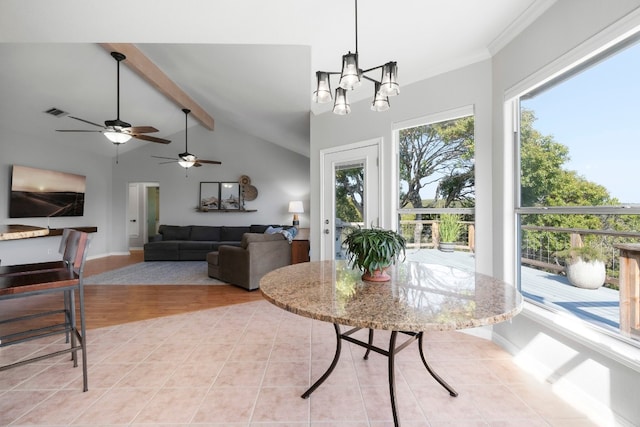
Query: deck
{"x": 600, "y": 307}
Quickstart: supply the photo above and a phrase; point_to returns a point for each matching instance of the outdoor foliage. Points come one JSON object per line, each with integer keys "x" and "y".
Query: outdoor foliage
{"x": 441, "y": 152}
{"x": 545, "y": 182}
{"x": 450, "y": 227}
{"x": 350, "y": 194}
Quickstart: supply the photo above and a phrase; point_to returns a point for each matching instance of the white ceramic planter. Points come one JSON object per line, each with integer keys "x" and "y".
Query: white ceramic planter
{"x": 446, "y": 246}
{"x": 587, "y": 275}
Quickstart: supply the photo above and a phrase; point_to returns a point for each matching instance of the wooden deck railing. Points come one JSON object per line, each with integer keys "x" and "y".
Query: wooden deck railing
{"x": 425, "y": 234}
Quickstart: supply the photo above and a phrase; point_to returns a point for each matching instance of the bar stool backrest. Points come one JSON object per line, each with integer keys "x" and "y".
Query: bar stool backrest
{"x": 75, "y": 249}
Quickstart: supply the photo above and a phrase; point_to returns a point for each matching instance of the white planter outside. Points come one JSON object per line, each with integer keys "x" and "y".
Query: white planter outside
{"x": 446, "y": 246}
{"x": 587, "y": 275}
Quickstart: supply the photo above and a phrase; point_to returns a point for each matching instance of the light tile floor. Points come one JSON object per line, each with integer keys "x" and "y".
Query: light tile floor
{"x": 246, "y": 365}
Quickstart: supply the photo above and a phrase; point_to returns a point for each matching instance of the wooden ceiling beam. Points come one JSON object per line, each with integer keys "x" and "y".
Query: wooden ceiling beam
{"x": 138, "y": 62}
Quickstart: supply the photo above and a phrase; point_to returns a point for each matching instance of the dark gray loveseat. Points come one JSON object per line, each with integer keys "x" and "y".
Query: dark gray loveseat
{"x": 194, "y": 242}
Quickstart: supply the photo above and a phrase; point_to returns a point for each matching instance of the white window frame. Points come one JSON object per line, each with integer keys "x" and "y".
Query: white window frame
{"x": 615, "y": 346}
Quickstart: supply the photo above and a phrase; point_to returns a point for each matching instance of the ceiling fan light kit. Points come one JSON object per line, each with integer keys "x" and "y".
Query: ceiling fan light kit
{"x": 351, "y": 77}
{"x": 186, "y": 159}
{"x": 117, "y": 137}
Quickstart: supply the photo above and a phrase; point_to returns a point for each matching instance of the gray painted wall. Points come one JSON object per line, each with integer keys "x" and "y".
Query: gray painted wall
{"x": 22, "y": 149}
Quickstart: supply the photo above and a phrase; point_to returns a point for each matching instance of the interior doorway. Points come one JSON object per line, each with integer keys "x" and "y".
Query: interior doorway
{"x": 143, "y": 212}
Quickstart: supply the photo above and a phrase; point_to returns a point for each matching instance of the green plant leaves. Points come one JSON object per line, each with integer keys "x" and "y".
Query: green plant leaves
{"x": 371, "y": 249}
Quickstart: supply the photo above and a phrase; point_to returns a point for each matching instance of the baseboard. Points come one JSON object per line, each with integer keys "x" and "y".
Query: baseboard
{"x": 98, "y": 256}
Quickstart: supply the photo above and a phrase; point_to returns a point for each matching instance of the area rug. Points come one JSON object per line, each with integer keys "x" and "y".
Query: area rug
{"x": 156, "y": 273}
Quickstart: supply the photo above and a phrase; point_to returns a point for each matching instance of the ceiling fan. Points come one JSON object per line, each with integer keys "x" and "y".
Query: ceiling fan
{"x": 186, "y": 159}
{"x": 118, "y": 131}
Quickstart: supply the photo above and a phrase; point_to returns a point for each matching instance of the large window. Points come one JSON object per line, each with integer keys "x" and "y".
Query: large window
{"x": 579, "y": 145}
{"x": 437, "y": 177}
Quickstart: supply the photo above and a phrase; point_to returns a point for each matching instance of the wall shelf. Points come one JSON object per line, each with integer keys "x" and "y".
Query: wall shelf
{"x": 58, "y": 231}
{"x": 227, "y": 210}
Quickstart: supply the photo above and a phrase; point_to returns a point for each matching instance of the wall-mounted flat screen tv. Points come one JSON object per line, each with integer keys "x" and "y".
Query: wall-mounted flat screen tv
{"x": 45, "y": 193}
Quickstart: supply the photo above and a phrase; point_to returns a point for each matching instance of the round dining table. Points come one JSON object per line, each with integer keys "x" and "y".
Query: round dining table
{"x": 419, "y": 297}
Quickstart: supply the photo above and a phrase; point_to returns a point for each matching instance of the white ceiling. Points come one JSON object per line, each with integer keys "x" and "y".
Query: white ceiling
{"x": 248, "y": 63}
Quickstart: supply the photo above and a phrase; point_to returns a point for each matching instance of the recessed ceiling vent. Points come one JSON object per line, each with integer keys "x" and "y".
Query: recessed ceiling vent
{"x": 56, "y": 112}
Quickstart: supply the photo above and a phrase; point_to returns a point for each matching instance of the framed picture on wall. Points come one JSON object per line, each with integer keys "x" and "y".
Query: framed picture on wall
{"x": 230, "y": 196}
{"x": 209, "y": 196}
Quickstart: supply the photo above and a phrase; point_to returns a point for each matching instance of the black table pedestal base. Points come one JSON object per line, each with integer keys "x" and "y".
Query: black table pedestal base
{"x": 390, "y": 353}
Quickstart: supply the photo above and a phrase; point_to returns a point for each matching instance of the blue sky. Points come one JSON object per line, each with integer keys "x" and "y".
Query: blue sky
{"x": 597, "y": 115}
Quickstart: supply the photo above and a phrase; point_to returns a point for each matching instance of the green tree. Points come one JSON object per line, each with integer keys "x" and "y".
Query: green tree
{"x": 544, "y": 182}
{"x": 541, "y": 160}
{"x": 437, "y": 152}
{"x": 350, "y": 194}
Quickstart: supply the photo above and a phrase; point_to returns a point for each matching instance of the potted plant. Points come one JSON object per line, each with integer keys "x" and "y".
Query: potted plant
{"x": 373, "y": 250}
{"x": 449, "y": 228}
{"x": 584, "y": 266}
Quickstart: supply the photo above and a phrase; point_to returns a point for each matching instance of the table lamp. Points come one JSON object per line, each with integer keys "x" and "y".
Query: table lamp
{"x": 295, "y": 207}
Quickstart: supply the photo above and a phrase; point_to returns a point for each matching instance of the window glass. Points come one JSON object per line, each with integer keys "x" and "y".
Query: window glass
{"x": 437, "y": 177}
{"x": 580, "y": 139}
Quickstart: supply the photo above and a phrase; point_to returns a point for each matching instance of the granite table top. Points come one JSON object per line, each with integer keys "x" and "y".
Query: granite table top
{"x": 419, "y": 296}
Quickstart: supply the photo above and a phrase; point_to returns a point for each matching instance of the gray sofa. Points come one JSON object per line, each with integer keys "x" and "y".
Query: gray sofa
{"x": 194, "y": 242}
{"x": 245, "y": 265}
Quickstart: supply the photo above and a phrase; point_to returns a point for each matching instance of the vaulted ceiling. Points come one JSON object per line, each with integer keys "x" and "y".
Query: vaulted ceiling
{"x": 249, "y": 63}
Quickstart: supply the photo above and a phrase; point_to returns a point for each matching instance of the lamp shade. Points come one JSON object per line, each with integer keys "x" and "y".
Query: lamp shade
{"x": 341, "y": 105}
{"x": 296, "y": 207}
{"x": 350, "y": 76}
{"x": 117, "y": 137}
{"x": 322, "y": 93}
{"x": 389, "y": 85}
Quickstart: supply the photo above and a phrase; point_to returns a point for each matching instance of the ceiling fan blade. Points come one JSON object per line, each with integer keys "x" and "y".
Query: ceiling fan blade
{"x": 75, "y": 130}
{"x": 168, "y": 158}
{"x": 165, "y": 163}
{"x": 87, "y": 121}
{"x": 151, "y": 138}
{"x": 197, "y": 164}
{"x": 141, "y": 129}
{"x": 212, "y": 162}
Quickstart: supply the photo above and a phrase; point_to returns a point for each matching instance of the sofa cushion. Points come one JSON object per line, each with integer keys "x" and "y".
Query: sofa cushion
{"x": 257, "y": 228}
{"x": 189, "y": 245}
{"x": 205, "y": 232}
{"x": 175, "y": 232}
{"x": 161, "y": 251}
{"x": 232, "y": 234}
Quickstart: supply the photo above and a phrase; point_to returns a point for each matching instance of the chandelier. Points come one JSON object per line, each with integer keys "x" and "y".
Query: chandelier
{"x": 351, "y": 77}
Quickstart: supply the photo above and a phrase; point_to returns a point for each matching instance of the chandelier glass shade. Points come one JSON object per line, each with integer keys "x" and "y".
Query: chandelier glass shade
{"x": 322, "y": 93}
{"x": 380, "y": 101}
{"x": 351, "y": 76}
{"x": 341, "y": 105}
